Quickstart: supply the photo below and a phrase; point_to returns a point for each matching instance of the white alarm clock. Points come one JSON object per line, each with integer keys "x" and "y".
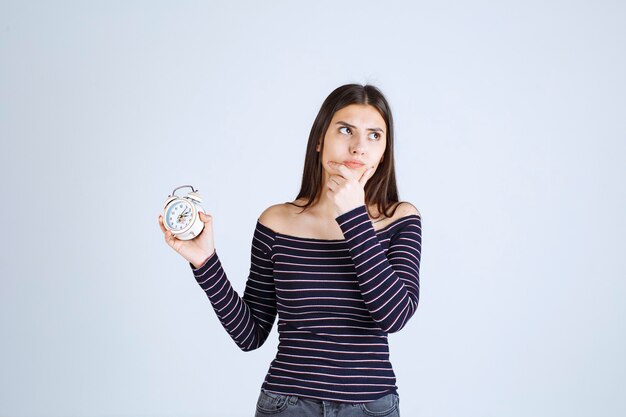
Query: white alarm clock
{"x": 181, "y": 215}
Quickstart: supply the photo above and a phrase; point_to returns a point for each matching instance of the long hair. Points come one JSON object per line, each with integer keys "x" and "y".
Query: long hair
{"x": 381, "y": 189}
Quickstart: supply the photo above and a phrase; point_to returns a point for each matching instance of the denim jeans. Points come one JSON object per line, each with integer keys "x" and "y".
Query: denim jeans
{"x": 278, "y": 405}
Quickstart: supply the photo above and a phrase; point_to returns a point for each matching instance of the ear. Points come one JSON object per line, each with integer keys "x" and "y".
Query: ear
{"x": 317, "y": 148}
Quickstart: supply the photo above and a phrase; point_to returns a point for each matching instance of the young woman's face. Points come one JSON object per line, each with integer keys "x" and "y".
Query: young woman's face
{"x": 356, "y": 133}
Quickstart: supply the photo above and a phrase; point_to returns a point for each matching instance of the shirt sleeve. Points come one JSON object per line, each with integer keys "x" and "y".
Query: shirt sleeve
{"x": 247, "y": 320}
{"x": 389, "y": 284}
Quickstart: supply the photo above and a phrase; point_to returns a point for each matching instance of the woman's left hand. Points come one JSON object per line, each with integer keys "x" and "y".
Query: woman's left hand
{"x": 347, "y": 189}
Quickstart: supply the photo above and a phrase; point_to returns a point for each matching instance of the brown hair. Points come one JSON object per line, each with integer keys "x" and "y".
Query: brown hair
{"x": 381, "y": 189}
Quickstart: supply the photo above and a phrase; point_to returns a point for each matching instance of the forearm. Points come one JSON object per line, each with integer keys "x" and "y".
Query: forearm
{"x": 390, "y": 291}
{"x": 246, "y": 322}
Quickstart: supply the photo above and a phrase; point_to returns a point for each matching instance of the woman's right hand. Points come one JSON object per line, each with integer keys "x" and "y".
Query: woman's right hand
{"x": 197, "y": 250}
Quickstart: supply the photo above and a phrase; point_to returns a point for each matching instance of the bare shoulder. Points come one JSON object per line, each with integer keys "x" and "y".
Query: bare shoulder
{"x": 272, "y": 216}
{"x": 275, "y": 216}
{"x": 404, "y": 208}
{"x": 400, "y": 210}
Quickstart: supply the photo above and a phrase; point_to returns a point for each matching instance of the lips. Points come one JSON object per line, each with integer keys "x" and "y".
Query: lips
{"x": 353, "y": 164}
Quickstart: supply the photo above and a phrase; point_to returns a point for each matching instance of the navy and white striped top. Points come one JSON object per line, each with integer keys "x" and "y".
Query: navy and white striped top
{"x": 336, "y": 302}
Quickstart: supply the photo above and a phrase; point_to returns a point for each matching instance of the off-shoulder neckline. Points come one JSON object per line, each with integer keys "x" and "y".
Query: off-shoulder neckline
{"x": 313, "y": 239}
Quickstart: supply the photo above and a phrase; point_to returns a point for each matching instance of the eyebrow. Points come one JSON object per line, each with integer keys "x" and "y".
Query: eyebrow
{"x": 374, "y": 129}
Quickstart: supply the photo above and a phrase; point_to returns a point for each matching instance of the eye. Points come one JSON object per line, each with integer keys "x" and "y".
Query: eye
{"x": 374, "y": 135}
{"x": 346, "y": 131}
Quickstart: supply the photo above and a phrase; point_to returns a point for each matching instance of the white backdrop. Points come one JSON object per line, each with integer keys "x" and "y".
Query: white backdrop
{"x": 511, "y": 133}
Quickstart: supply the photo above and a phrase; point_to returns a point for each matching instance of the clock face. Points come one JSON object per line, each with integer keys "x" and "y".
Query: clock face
{"x": 179, "y": 215}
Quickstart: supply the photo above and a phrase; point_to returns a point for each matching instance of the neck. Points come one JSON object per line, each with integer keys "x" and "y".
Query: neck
{"x": 324, "y": 207}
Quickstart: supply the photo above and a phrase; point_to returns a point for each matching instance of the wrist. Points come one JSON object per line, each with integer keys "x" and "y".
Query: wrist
{"x": 353, "y": 207}
{"x": 201, "y": 260}
{"x": 349, "y": 214}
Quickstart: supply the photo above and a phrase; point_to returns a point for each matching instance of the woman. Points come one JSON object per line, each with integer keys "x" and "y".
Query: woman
{"x": 339, "y": 265}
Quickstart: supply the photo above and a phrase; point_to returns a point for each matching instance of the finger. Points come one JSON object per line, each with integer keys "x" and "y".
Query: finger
{"x": 344, "y": 171}
{"x": 163, "y": 229}
{"x": 331, "y": 185}
{"x": 169, "y": 238}
{"x": 206, "y": 218}
{"x": 336, "y": 179}
{"x": 366, "y": 176}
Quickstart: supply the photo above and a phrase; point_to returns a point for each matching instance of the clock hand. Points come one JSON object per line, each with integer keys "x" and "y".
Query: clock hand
{"x": 183, "y": 215}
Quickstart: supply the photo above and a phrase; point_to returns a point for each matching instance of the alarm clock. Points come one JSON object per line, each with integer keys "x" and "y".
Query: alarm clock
{"x": 181, "y": 214}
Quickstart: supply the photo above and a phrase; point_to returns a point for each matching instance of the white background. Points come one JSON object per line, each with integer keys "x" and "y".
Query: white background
{"x": 511, "y": 131}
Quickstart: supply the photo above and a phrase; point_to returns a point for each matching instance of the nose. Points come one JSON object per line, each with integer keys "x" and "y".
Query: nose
{"x": 358, "y": 145}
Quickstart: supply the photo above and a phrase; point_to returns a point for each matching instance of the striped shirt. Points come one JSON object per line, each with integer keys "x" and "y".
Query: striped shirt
{"x": 336, "y": 302}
